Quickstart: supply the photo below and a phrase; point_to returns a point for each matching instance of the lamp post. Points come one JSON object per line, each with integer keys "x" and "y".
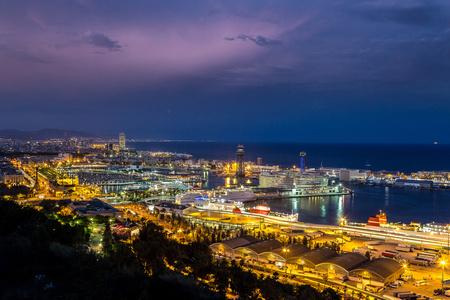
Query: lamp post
{"x": 285, "y": 250}
{"x": 405, "y": 266}
{"x": 443, "y": 263}
{"x": 342, "y": 231}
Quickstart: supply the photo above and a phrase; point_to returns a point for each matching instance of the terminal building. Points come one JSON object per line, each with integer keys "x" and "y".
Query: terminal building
{"x": 410, "y": 183}
{"x": 353, "y": 175}
{"x": 299, "y": 184}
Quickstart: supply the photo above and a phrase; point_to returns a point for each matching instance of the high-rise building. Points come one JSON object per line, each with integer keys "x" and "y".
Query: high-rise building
{"x": 240, "y": 172}
{"x": 259, "y": 161}
{"x": 122, "y": 142}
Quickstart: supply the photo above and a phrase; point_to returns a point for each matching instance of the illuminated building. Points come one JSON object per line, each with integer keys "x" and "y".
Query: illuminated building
{"x": 122, "y": 142}
{"x": 240, "y": 172}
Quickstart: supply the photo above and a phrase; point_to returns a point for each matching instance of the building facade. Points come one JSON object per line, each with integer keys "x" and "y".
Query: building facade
{"x": 122, "y": 142}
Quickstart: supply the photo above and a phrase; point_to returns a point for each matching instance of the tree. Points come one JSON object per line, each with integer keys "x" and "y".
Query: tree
{"x": 107, "y": 241}
{"x": 330, "y": 294}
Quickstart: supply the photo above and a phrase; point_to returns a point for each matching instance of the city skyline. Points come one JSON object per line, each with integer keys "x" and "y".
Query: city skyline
{"x": 364, "y": 71}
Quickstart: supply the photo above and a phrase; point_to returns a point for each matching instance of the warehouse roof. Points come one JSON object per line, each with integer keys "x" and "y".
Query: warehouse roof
{"x": 319, "y": 255}
{"x": 294, "y": 250}
{"x": 346, "y": 261}
{"x": 238, "y": 242}
{"x": 383, "y": 267}
{"x": 264, "y": 246}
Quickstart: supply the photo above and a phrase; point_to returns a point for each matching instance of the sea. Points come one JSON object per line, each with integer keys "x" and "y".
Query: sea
{"x": 400, "y": 205}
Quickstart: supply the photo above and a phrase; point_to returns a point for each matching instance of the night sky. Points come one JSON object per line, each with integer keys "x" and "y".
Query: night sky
{"x": 281, "y": 71}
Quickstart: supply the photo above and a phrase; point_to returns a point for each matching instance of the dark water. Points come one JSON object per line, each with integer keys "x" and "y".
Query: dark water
{"x": 400, "y": 205}
{"x": 404, "y": 158}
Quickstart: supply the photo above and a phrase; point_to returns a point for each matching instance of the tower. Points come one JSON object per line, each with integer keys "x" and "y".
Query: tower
{"x": 240, "y": 171}
{"x": 122, "y": 142}
{"x": 302, "y": 161}
{"x": 259, "y": 161}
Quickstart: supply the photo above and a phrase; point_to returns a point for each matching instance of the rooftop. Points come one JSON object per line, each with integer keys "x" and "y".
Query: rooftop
{"x": 383, "y": 267}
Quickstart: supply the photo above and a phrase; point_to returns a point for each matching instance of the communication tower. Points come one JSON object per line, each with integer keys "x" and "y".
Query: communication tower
{"x": 302, "y": 161}
{"x": 240, "y": 172}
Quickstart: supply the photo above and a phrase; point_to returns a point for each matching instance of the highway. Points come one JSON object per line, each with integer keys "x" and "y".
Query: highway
{"x": 390, "y": 235}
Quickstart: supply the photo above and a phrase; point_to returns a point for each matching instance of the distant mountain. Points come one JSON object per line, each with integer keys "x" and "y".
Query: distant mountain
{"x": 45, "y": 134}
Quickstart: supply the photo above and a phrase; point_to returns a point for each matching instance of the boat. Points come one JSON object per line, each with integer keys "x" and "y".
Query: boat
{"x": 189, "y": 198}
{"x": 240, "y": 195}
{"x": 264, "y": 210}
{"x": 236, "y": 207}
{"x": 260, "y": 209}
{"x": 379, "y": 220}
{"x": 218, "y": 205}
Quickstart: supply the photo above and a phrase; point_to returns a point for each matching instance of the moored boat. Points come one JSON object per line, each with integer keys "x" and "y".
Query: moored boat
{"x": 236, "y": 207}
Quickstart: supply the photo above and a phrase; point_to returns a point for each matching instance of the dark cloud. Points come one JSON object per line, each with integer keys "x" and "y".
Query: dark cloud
{"x": 102, "y": 41}
{"x": 20, "y": 55}
{"x": 339, "y": 61}
{"x": 258, "y": 40}
{"x": 421, "y": 14}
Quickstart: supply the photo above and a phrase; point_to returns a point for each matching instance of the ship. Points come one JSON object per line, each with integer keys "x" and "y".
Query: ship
{"x": 219, "y": 205}
{"x": 379, "y": 220}
{"x": 240, "y": 195}
{"x": 236, "y": 207}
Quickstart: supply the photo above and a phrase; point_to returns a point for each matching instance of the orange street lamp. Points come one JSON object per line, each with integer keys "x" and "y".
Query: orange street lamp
{"x": 443, "y": 263}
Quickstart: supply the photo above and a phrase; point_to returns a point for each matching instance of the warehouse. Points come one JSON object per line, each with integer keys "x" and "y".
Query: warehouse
{"x": 379, "y": 272}
{"x": 226, "y": 248}
{"x": 339, "y": 266}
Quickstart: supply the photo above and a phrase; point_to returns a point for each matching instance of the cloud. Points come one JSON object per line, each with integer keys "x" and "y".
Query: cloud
{"x": 20, "y": 55}
{"x": 258, "y": 40}
{"x": 102, "y": 41}
{"x": 421, "y": 14}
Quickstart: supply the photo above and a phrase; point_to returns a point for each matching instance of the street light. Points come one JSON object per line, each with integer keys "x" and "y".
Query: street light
{"x": 443, "y": 263}
{"x": 285, "y": 250}
{"x": 342, "y": 231}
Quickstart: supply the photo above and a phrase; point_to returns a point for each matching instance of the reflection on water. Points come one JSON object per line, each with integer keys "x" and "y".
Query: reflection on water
{"x": 400, "y": 205}
{"x": 322, "y": 210}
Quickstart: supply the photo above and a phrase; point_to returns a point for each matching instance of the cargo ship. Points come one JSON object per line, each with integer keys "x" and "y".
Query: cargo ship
{"x": 379, "y": 220}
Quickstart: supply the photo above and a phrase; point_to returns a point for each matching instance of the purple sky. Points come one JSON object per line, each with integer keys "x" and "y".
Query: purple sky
{"x": 298, "y": 71}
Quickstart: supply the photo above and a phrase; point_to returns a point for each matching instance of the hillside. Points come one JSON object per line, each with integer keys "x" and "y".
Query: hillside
{"x": 45, "y": 134}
